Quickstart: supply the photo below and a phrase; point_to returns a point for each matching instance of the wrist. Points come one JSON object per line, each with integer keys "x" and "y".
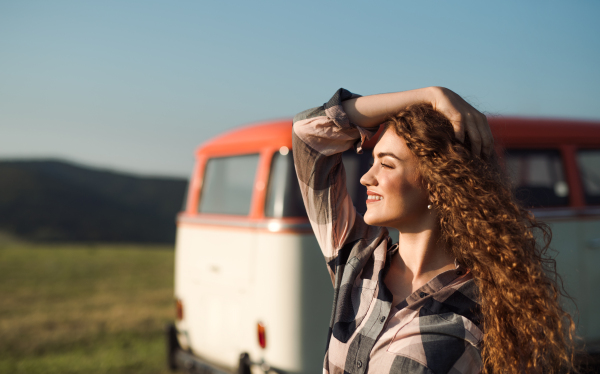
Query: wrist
{"x": 433, "y": 94}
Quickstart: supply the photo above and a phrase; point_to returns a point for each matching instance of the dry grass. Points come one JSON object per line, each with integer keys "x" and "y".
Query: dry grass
{"x": 78, "y": 308}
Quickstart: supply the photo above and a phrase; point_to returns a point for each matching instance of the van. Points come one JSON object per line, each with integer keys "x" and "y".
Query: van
{"x": 251, "y": 288}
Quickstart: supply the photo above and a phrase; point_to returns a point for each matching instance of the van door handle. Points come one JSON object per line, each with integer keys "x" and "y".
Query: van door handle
{"x": 594, "y": 243}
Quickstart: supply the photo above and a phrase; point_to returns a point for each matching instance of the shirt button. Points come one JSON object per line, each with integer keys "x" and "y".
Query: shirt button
{"x": 423, "y": 294}
{"x": 359, "y": 364}
{"x": 381, "y": 319}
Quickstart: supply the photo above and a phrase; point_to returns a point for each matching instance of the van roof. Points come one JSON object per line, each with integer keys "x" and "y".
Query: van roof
{"x": 506, "y": 130}
{"x": 514, "y": 130}
{"x": 251, "y": 137}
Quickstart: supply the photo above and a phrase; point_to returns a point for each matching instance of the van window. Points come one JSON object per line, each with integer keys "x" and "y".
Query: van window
{"x": 356, "y": 166}
{"x": 283, "y": 193}
{"x": 352, "y": 167}
{"x": 589, "y": 167}
{"x": 228, "y": 184}
{"x": 537, "y": 177}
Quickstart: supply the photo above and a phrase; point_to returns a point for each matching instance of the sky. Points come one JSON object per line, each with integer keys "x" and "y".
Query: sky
{"x": 136, "y": 86}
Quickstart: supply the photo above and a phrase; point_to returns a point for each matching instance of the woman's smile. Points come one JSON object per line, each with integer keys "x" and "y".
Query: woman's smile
{"x": 372, "y": 197}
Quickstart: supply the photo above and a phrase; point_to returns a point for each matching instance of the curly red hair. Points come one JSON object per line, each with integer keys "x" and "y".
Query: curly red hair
{"x": 487, "y": 230}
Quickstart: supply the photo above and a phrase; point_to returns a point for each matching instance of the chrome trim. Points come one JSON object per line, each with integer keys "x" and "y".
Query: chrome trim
{"x": 192, "y": 363}
{"x": 275, "y": 225}
{"x": 262, "y": 224}
{"x": 566, "y": 212}
{"x": 217, "y": 221}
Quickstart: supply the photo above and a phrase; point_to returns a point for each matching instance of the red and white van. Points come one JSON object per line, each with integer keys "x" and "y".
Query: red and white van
{"x": 251, "y": 287}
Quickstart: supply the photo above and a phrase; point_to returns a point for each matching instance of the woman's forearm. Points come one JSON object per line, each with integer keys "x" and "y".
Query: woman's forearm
{"x": 371, "y": 111}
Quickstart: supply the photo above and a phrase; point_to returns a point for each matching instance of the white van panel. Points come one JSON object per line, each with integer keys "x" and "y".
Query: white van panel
{"x": 214, "y": 279}
{"x": 591, "y": 253}
{"x": 294, "y": 294}
{"x": 569, "y": 263}
{"x": 230, "y": 279}
{"x": 577, "y": 263}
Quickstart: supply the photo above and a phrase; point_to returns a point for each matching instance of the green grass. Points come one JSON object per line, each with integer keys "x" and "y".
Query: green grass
{"x": 84, "y": 308}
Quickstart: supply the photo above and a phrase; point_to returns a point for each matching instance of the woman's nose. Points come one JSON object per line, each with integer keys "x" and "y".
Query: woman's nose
{"x": 368, "y": 179}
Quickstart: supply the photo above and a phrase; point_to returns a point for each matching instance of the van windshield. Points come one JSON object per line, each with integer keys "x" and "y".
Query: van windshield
{"x": 589, "y": 166}
{"x": 283, "y": 194}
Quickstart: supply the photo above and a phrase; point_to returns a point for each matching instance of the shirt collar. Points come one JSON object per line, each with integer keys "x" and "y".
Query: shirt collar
{"x": 435, "y": 284}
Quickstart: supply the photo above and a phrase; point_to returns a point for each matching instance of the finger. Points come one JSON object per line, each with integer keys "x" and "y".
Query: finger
{"x": 458, "y": 124}
{"x": 474, "y": 135}
{"x": 487, "y": 136}
{"x": 487, "y": 139}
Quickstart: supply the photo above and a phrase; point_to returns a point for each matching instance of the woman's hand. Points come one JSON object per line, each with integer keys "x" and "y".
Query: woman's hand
{"x": 464, "y": 118}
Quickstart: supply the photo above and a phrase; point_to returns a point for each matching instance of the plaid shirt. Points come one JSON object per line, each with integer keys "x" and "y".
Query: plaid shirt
{"x": 434, "y": 330}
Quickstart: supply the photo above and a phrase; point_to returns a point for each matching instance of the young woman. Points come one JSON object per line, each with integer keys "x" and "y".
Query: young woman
{"x": 466, "y": 289}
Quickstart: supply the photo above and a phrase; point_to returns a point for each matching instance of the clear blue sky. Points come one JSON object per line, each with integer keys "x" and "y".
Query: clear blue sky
{"x": 137, "y": 85}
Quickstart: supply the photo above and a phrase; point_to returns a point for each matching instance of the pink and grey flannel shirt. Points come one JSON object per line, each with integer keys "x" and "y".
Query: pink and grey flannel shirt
{"x": 436, "y": 329}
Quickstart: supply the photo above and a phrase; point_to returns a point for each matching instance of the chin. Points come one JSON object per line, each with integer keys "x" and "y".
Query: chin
{"x": 374, "y": 221}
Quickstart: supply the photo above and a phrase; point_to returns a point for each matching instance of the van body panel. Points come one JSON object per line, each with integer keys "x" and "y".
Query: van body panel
{"x": 249, "y": 138}
{"x": 591, "y": 259}
{"x": 278, "y": 279}
{"x": 214, "y": 283}
{"x": 293, "y": 297}
{"x": 569, "y": 265}
{"x": 577, "y": 261}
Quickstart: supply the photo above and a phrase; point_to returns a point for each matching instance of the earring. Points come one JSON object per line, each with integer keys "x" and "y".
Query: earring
{"x": 429, "y": 206}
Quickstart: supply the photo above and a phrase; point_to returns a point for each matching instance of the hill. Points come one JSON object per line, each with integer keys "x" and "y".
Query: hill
{"x": 60, "y": 201}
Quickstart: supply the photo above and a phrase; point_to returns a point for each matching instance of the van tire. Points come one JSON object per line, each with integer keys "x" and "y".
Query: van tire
{"x": 244, "y": 364}
{"x": 172, "y": 346}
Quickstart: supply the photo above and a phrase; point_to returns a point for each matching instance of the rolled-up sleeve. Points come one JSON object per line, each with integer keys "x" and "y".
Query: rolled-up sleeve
{"x": 320, "y": 135}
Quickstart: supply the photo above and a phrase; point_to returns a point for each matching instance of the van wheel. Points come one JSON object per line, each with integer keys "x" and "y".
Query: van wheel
{"x": 244, "y": 364}
{"x": 172, "y": 345}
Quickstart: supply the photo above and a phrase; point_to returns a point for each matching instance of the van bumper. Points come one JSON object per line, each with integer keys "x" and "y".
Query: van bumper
{"x": 190, "y": 363}
{"x": 179, "y": 359}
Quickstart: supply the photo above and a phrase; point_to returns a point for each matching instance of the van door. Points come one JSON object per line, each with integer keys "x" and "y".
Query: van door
{"x": 221, "y": 257}
{"x": 589, "y": 168}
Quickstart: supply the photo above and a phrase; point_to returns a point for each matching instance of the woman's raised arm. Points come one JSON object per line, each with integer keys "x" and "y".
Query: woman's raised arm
{"x": 371, "y": 111}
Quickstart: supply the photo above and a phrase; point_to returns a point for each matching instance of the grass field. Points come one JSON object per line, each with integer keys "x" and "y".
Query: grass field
{"x": 84, "y": 308}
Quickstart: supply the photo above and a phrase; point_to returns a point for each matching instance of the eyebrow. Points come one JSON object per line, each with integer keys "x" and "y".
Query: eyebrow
{"x": 388, "y": 154}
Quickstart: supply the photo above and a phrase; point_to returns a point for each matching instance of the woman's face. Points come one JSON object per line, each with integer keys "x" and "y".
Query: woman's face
{"x": 395, "y": 193}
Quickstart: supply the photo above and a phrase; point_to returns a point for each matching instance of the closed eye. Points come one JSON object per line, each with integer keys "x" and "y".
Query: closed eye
{"x": 382, "y": 164}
